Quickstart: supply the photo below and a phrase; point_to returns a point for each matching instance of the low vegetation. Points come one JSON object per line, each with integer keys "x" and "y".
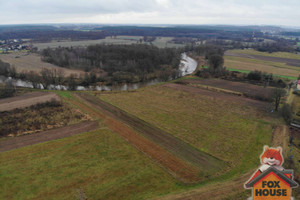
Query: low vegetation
{"x": 212, "y": 124}
{"x": 280, "y": 67}
{"x": 98, "y": 164}
{"x": 37, "y": 118}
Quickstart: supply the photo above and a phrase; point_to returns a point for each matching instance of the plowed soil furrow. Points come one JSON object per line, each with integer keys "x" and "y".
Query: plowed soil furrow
{"x": 177, "y": 147}
{"x": 180, "y": 169}
{"x": 22, "y": 141}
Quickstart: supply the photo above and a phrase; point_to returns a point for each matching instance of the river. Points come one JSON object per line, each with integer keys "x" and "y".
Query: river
{"x": 187, "y": 66}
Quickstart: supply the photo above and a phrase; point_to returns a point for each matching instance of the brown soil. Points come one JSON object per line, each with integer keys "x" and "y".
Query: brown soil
{"x": 26, "y": 100}
{"x": 288, "y": 61}
{"x": 22, "y": 141}
{"x": 249, "y": 90}
{"x": 222, "y": 96}
{"x": 178, "y": 168}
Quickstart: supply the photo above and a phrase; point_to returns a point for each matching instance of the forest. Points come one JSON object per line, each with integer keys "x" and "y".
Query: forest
{"x": 119, "y": 63}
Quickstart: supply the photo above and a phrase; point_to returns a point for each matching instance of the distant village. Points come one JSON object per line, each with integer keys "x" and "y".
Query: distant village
{"x": 13, "y": 45}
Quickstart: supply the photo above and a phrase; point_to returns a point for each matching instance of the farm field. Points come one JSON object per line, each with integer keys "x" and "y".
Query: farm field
{"x": 35, "y": 113}
{"x": 113, "y": 161}
{"x": 284, "y": 55}
{"x": 53, "y": 134}
{"x": 160, "y": 42}
{"x": 24, "y": 61}
{"x": 218, "y": 124}
{"x": 26, "y": 100}
{"x": 248, "y": 64}
{"x": 100, "y": 164}
{"x": 237, "y": 88}
{"x": 206, "y": 164}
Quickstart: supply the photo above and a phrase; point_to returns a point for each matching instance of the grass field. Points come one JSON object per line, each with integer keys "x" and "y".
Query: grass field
{"x": 236, "y": 88}
{"x": 218, "y": 127}
{"x": 100, "y": 163}
{"x": 274, "y": 54}
{"x": 103, "y": 165}
{"x": 248, "y": 64}
{"x": 24, "y": 61}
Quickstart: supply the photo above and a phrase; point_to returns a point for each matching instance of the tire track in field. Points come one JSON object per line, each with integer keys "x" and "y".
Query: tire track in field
{"x": 206, "y": 163}
{"x": 178, "y": 168}
{"x": 26, "y": 140}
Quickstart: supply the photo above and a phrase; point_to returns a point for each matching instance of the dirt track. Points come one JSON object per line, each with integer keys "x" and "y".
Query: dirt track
{"x": 26, "y": 100}
{"x": 288, "y": 61}
{"x": 22, "y": 141}
{"x": 180, "y": 169}
{"x": 221, "y": 96}
{"x": 164, "y": 139}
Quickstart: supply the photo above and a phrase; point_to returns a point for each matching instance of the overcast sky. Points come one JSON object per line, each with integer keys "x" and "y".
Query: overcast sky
{"x": 239, "y": 12}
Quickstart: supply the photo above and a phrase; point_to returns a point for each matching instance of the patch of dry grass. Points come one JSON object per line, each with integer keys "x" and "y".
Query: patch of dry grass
{"x": 24, "y": 61}
{"x": 265, "y": 66}
{"x": 219, "y": 128}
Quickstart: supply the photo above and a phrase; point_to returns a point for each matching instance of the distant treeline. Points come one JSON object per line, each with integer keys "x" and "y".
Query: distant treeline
{"x": 121, "y": 63}
{"x": 291, "y": 33}
{"x": 48, "y": 35}
{"x": 185, "y": 31}
{"x": 275, "y": 44}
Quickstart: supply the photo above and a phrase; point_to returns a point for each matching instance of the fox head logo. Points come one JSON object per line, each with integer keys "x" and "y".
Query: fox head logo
{"x": 272, "y": 156}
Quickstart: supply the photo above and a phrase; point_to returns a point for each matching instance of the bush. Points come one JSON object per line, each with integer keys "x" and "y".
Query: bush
{"x": 286, "y": 113}
{"x": 8, "y": 91}
{"x": 255, "y": 75}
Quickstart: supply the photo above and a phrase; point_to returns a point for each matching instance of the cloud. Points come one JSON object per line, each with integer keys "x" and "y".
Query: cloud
{"x": 273, "y": 12}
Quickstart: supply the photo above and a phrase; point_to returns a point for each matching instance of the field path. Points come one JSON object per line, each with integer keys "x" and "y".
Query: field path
{"x": 134, "y": 132}
{"x": 26, "y": 100}
{"x": 26, "y": 140}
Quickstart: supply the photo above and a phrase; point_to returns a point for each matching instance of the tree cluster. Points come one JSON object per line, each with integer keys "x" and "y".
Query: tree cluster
{"x": 121, "y": 63}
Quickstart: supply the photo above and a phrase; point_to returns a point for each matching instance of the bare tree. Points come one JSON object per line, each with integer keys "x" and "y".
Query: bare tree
{"x": 277, "y": 94}
{"x": 34, "y": 78}
{"x": 216, "y": 62}
{"x": 60, "y": 76}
